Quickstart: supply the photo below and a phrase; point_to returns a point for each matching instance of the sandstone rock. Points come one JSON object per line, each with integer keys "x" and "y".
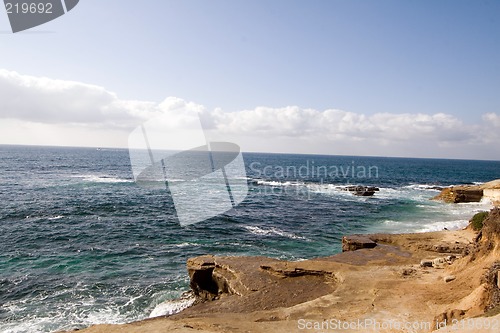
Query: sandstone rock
{"x": 460, "y": 194}
{"x": 200, "y": 270}
{"x": 356, "y": 242}
{"x": 470, "y": 193}
{"x": 498, "y": 279}
{"x": 449, "y": 278}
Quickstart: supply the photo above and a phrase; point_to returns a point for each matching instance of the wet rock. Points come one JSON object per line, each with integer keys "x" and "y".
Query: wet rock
{"x": 365, "y": 191}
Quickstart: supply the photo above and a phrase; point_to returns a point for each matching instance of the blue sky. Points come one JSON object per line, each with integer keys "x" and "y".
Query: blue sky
{"x": 363, "y": 57}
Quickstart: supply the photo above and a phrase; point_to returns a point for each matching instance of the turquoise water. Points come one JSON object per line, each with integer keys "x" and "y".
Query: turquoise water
{"x": 81, "y": 243}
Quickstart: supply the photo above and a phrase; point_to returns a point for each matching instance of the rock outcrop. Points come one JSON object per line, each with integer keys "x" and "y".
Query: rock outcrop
{"x": 356, "y": 242}
{"x": 471, "y": 193}
{"x": 461, "y": 194}
{"x": 240, "y": 284}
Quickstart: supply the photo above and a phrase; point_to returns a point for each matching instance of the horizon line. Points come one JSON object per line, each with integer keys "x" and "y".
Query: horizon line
{"x": 260, "y": 152}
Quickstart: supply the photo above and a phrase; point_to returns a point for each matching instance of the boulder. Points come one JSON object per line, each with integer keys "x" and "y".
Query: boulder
{"x": 356, "y": 242}
{"x": 426, "y": 263}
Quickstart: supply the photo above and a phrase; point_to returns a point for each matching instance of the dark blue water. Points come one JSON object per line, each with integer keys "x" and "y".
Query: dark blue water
{"x": 81, "y": 243}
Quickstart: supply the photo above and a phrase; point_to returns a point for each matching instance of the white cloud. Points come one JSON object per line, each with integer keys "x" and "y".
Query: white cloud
{"x": 49, "y": 101}
{"x": 492, "y": 119}
{"x": 91, "y": 115}
{"x": 337, "y": 124}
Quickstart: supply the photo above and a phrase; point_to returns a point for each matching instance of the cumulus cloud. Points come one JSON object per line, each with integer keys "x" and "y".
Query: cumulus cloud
{"x": 492, "y": 119}
{"x": 51, "y": 103}
{"x": 338, "y": 124}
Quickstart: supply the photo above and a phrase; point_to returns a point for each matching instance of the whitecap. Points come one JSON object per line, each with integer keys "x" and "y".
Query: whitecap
{"x": 271, "y": 231}
{"x": 185, "y": 244}
{"x": 102, "y": 179}
{"x": 172, "y": 307}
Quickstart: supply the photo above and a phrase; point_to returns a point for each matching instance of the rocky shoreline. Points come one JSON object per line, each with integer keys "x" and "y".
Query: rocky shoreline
{"x": 393, "y": 282}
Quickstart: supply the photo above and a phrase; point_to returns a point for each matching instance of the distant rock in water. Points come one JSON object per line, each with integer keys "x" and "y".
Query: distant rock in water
{"x": 364, "y": 191}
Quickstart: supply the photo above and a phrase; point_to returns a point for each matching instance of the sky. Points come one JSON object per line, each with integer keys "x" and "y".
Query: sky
{"x": 373, "y": 78}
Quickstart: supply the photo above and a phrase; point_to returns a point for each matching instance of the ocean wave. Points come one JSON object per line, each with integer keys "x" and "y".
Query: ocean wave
{"x": 275, "y": 183}
{"x": 414, "y": 191}
{"x": 171, "y": 307}
{"x": 101, "y": 179}
{"x": 442, "y": 225}
{"x": 185, "y": 244}
{"x": 428, "y": 187}
{"x": 433, "y": 216}
{"x": 272, "y": 231}
{"x": 62, "y": 319}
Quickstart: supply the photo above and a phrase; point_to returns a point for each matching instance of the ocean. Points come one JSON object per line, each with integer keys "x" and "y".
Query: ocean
{"x": 81, "y": 243}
